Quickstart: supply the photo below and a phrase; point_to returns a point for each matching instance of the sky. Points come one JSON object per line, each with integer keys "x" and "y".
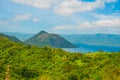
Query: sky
{"x": 60, "y": 16}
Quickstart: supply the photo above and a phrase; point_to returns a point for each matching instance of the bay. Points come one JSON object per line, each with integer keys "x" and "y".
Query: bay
{"x": 83, "y": 48}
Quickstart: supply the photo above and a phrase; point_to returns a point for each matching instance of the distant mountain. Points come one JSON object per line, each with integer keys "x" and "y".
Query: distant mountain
{"x": 11, "y": 38}
{"x": 95, "y": 39}
{"x": 46, "y": 39}
{"x": 88, "y": 39}
{"x": 21, "y": 36}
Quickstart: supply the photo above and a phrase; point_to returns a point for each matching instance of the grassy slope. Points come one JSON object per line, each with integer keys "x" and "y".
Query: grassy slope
{"x": 32, "y": 63}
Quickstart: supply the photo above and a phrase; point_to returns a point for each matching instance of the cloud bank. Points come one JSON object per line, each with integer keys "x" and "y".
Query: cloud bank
{"x": 113, "y": 23}
{"x": 66, "y": 7}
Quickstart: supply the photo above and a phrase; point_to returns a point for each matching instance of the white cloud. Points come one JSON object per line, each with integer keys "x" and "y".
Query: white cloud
{"x": 26, "y": 16}
{"x": 65, "y": 27}
{"x": 44, "y": 4}
{"x": 91, "y": 27}
{"x": 35, "y": 20}
{"x": 102, "y": 16}
{"x": 68, "y": 7}
{"x": 22, "y": 17}
{"x": 3, "y": 23}
{"x": 107, "y": 23}
{"x": 112, "y": 23}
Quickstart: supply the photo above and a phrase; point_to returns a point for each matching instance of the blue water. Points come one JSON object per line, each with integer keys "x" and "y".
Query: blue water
{"x": 91, "y": 48}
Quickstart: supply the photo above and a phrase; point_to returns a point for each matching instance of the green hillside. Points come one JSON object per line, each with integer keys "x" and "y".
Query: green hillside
{"x": 22, "y": 62}
{"x": 12, "y": 38}
{"x": 46, "y": 39}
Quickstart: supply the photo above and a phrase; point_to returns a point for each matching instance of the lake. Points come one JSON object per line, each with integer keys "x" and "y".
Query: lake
{"x": 92, "y": 48}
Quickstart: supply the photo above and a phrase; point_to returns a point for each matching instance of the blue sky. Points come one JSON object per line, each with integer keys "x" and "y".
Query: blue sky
{"x": 60, "y": 16}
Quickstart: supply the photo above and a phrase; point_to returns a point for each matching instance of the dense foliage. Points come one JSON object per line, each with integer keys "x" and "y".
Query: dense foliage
{"x": 22, "y": 62}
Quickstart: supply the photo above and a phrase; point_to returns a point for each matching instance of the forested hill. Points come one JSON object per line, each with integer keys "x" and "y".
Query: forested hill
{"x": 12, "y": 38}
{"x": 43, "y": 38}
{"x": 22, "y": 62}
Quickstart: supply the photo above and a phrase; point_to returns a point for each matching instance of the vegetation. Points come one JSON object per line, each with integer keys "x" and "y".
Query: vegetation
{"x": 22, "y": 62}
{"x": 44, "y": 39}
{"x": 12, "y": 38}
